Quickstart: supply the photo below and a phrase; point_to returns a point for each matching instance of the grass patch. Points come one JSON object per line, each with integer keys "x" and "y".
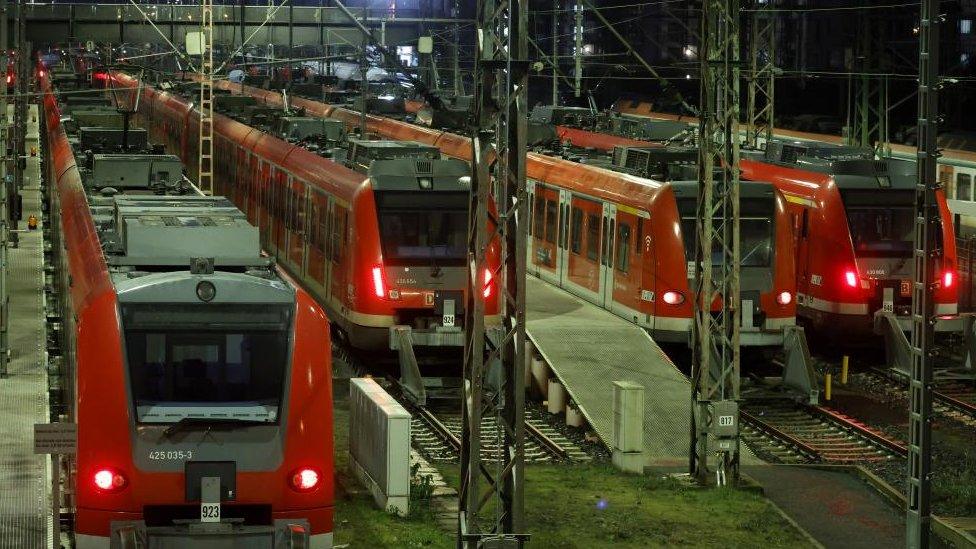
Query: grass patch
{"x": 359, "y": 523}
{"x": 570, "y": 506}
{"x": 576, "y": 506}
{"x": 954, "y": 486}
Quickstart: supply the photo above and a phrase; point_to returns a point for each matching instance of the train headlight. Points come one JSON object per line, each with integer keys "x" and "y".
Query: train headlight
{"x": 108, "y": 480}
{"x": 425, "y": 182}
{"x": 672, "y": 297}
{"x": 304, "y": 479}
{"x": 784, "y": 298}
{"x": 206, "y": 291}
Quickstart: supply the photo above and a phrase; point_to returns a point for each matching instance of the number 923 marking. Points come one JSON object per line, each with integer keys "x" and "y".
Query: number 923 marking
{"x": 170, "y": 455}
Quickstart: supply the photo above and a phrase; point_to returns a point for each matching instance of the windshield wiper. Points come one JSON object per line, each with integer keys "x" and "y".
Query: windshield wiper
{"x": 210, "y": 422}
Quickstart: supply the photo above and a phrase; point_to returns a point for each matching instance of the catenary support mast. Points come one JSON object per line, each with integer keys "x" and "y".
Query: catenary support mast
{"x": 494, "y": 384}
{"x": 715, "y": 365}
{"x": 928, "y": 257}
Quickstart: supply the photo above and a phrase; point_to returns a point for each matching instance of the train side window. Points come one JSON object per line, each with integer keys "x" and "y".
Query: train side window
{"x": 638, "y": 246}
{"x": 539, "y": 216}
{"x": 272, "y": 197}
{"x": 563, "y": 210}
{"x": 292, "y": 200}
{"x": 964, "y": 187}
{"x": 337, "y": 223}
{"x": 608, "y": 232}
{"x": 593, "y": 237}
{"x": 576, "y": 230}
{"x": 327, "y": 231}
{"x": 322, "y": 221}
{"x": 623, "y": 247}
{"x": 301, "y": 213}
{"x": 551, "y": 221}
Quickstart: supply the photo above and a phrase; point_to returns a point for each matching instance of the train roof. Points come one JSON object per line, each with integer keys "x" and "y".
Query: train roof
{"x": 850, "y": 167}
{"x": 148, "y": 215}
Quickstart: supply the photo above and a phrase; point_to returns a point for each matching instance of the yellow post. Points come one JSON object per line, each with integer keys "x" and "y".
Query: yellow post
{"x": 827, "y": 386}
{"x": 843, "y": 370}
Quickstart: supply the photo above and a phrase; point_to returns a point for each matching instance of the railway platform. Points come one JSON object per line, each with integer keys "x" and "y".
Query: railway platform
{"x": 25, "y": 518}
{"x": 588, "y": 349}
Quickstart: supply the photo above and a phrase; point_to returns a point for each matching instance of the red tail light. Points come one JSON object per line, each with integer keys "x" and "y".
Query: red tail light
{"x": 10, "y": 79}
{"x": 108, "y": 480}
{"x": 304, "y": 480}
{"x": 488, "y": 285}
{"x": 672, "y": 297}
{"x": 947, "y": 279}
{"x": 851, "y": 278}
{"x": 784, "y": 298}
{"x": 379, "y": 286}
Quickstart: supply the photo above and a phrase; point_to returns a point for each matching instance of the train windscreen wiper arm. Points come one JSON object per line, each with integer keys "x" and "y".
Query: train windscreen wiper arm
{"x": 209, "y": 422}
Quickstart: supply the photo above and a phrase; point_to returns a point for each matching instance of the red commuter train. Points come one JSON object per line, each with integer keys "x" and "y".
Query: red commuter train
{"x": 586, "y": 207}
{"x": 192, "y": 381}
{"x": 378, "y": 250}
{"x": 627, "y": 244}
{"x": 855, "y": 219}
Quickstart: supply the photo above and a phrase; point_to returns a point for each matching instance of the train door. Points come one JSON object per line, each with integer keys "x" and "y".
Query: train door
{"x": 249, "y": 179}
{"x": 546, "y": 229}
{"x": 282, "y": 192}
{"x": 802, "y": 246}
{"x": 297, "y": 238}
{"x": 609, "y": 227}
{"x": 261, "y": 171}
{"x": 530, "y": 195}
{"x": 627, "y": 265}
{"x": 582, "y": 275}
{"x": 316, "y": 263}
{"x": 339, "y": 289}
{"x": 562, "y": 249}
{"x": 329, "y": 245}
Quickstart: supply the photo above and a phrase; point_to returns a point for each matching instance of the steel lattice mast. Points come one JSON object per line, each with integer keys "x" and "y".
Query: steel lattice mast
{"x": 762, "y": 75}
{"x": 928, "y": 257}
{"x": 494, "y": 358}
{"x": 205, "y": 143}
{"x": 715, "y": 366}
{"x": 5, "y": 197}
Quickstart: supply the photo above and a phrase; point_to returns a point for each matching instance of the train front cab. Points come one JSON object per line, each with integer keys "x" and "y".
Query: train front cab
{"x": 140, "y": 475}
{"x": 854, "y": 244}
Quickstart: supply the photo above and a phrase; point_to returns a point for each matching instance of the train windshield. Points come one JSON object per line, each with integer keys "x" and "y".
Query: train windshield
{"x": 881, "y": 223}
{"x": 755, "y": 231}
{"x": 423, "y": 227}
{"x": 207, "y": 361}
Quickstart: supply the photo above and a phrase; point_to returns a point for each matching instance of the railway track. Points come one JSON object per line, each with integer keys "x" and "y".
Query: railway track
{"x": 792, "y": 433}
{"x": 954, "y": 400}
{"x": 438, "y": 436}
{"x": 957, "y": 400}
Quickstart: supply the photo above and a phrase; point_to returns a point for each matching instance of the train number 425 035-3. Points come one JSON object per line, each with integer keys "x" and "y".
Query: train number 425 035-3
{"x": 170, "y": 455}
